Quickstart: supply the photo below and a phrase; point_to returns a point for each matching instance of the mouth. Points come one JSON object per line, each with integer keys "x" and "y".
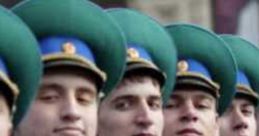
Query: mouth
{"x": 241, "y": 134}
{"x": 144, "y": 134}
{"x": 189, "y": 132}
{"x": 73, "y": 131}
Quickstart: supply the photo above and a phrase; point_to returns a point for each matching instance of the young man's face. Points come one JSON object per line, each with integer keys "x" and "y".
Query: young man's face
{"x": 190, "y": 113}
{"x": 132, "y": 109}
{"x": 5, "y": 120}
{"x": 239, "y": 119}
{"x": 66, "y": 105}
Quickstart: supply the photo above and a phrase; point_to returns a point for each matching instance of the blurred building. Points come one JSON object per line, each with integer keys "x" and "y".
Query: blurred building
{"x": 223, "y": 16}
{"x": 169, "y": 11}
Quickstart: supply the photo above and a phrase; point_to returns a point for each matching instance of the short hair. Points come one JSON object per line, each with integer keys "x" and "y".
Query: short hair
{"x": 138, "y": 77}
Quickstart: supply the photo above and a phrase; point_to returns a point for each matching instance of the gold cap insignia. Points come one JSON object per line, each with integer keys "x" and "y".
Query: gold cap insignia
{"x": 132, "y": 53}
{"x": 182, "y": 66}
{"x": 69, "y": 48}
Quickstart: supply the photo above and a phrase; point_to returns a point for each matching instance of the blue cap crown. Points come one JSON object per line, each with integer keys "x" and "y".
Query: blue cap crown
{"x": 3, "y": 67}
{"x": 193, "y": 66}
{"x": 242, "y": 79}
{"x": 67, "y": 45}
{"x": 135, "y": 51}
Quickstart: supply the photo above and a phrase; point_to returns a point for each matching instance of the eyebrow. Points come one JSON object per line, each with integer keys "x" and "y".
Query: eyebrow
{"x": 124, "y": 97}
{"x": 155, "y": 97}
{"x": 86, "y": 90}
{"x": 202, "y": 97}
{"x": 176, "y": 97}
{"x": 45, "y": 86}
{"x": 247, "y": 104}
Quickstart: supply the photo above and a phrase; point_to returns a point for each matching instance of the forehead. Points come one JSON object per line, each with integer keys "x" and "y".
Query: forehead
{"x": 241, "y": 102}
{"x": 185, "y": 94}
{"x": 145, "y": 88}
{"x": 3, "y": 102}
{"x": 67, "y": 78}
{"x": 2, "y": 98}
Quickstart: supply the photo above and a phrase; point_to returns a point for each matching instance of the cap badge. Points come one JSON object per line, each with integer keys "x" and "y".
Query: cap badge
{"x": 182, "y": 66}
{"x": 132, "y": 53}
{"x": 69, "y": 48}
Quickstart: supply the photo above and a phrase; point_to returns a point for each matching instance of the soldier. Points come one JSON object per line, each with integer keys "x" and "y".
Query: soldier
{"x": 134, "y": 107}
{"x": 239, "y": 118}
{"x": 20, "y": 70}
{"x": 205, "y": 81}
{"x": 83, "y": 53}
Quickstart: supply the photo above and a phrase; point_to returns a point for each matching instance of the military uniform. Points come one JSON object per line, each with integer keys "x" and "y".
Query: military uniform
{"x": 203, "y": 57}
{"x": 151, "y": 56}
{"x": 247, "y": 75}
{"x": 205, "y": 83}
{"x": 145, "y": 36}
{"x": 20, "y": 65}
{"x": 237, "y": 119}
{"x": 77, "y": 35}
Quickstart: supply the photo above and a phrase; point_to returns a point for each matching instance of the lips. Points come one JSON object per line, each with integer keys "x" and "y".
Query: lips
{"x": 241, "y": 133}
{"x": 144, "y": 134}
{"x": 70, "y": 131}
{"x": 189, "y": 132}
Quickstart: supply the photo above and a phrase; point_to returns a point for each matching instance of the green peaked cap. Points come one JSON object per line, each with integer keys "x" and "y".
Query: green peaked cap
{"x": 19, "y": 50}
{"x": 84, "y": 20}
{"x": 142, "y": 30}
{"x": 206, "y": 47}
{"x": 246, "y": 55}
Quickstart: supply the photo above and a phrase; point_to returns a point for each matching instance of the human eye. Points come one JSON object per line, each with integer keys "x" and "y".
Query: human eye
{"x": 204, "y": 104}
{"x": 123, "y": 105}
{"x": 155, "y": 104}
{"x": 248, "y": 111}
{"x": 49, "y": 97}
{"x": 85, "y": 96}
{"x": 85, "y": 99}
{"x": 172, "y": 105}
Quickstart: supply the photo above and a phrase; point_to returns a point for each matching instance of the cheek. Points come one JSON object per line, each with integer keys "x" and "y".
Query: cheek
{"x": 170, "y": 117}
{"x": 5, "y": 125}
{"x": 209, "y": 123}
{"x": 225, "y": 123}
{"x": 41, "y": 116}
{"x": 115, "y": 123}
{"x": 89, "y": 115}
{"x": 224, "y": 126}
{"x": 117, "y": 118}
{"x": 170, "y": 122}
{"x": 253, "y": 124}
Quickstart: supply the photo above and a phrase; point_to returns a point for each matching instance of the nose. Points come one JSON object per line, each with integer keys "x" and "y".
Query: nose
{"x": 188, "y": 112}
{"x": 144, "y": 115}
{"x": 239, "y": 120}
{"x": 70, "y": 110}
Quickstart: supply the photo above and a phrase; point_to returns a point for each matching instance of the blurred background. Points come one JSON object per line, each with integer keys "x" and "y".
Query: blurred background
{"x": 222, "y": 16}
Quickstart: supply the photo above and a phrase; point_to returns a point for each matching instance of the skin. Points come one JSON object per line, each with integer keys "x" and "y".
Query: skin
{"x": 134, "y": 108}
{"x": 5, "y": 120}
{"x": 66, "y": 105}
{"x": 239, "y": 119}
{"x": 190, "y": 113}
{"x": 257, "y": 121}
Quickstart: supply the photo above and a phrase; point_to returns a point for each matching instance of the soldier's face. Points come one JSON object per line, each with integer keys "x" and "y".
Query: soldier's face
{"x": 239, "y": 119}
{"x": 66, "y": 105}
{"x": 132, "y": 109}
{"x": 5, "y": 120}
{"x": 190, "y": 113}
